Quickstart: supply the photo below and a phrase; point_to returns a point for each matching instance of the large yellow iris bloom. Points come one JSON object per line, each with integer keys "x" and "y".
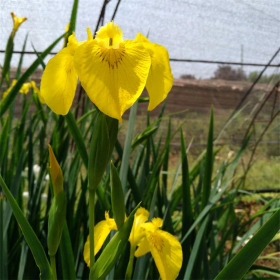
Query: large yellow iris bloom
{"x": 112, "y": 71}
{"x": 146, "y": 237}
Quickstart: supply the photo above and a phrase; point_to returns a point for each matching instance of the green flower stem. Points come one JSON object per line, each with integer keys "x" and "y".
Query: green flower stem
{"x": 91, "y": 225}
{"x": 129, "y": 269}
{"x": 53, "y": 266}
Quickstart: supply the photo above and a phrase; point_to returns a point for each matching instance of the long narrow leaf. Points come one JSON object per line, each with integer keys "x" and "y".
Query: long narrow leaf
{"x": 5, "y": 103}
{"x": 127, "y": 145}
{"x": 244, "y": 259}
{"x": 30, "y": 236}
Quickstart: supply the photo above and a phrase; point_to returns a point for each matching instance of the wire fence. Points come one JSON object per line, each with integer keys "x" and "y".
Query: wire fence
{"x": 180, "y": 60}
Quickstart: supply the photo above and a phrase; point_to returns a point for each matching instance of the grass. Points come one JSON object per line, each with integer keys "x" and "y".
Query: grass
{"x": 208, "y": 212}
{"x": 265, "y": 170}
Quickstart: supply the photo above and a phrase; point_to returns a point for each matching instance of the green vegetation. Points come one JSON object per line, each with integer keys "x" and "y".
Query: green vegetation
{"x": 186, "y": 169}
{"x": 273, "y": 78}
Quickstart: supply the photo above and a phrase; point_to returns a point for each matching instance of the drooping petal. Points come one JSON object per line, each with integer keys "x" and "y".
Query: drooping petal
{"x": 59, "y": 81}
{"x": 101, "y": 232}
{"x": 167, "y": 253}
{"x": 160, "y": 79}
{"x": 112, "y": 78}
{"x": 143, "y": 248}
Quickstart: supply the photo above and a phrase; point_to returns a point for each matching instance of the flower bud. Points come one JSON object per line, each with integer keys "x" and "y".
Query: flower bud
{"x": 101, "y": 147}
{"x": 56, "y": 173}
{"x": 57, "y": 212}
{"x": 56, "y": 221}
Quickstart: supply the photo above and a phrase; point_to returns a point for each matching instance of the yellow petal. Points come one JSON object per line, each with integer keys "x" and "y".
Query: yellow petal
{"x": 143, "y": 248}
{"x": 160, "y": 79}
{"x": 101, "y": 232}
{"x": 5, "y": 93}
{"x": 89, "y": 34}
{"x": 25, "y": 88}
{"x": 110, "y": 35}
{"x": 153, "y": 225}
{"x": 112, "y": 78}
{"x": 59, "y": 81}
{"x": 37, "y": 91}
{"x": 17, "y": 21}
{"x": 9, "y": 89}
{"x": 56, "y": 173}
{"x": 167, "y": 253}
{"x": 137, "y": 233}
{"x": 157, "y": 222}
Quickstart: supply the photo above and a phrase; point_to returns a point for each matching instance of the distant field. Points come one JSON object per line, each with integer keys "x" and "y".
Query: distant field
{"x": 189, "y": 103}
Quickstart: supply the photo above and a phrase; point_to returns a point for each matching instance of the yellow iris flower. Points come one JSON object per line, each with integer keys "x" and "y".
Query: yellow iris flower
{"x": 112, "y": 71}
{"x": 145, "y": 237}
{"x": 25, "y": 89}
{"x": 17, "y": 21}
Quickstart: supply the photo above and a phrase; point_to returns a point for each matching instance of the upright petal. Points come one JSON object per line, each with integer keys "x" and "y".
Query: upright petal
{"x": 167, "y": 253}
{"x": 113, "y": 78}
{"x": 59, "y": 82}
{"x": 160, "y": 79}
{"x": 137, "y": 233}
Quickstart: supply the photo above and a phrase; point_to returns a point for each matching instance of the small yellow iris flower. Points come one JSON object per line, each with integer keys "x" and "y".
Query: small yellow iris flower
{"x": 145, "y": 237}
{"x": 17, "y": 21}
{"x": 25, "y": 89}
{"x": 112, "y": 71}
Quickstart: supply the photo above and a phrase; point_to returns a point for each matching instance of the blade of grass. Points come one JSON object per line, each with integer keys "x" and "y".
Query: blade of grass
{"x": 77, "y": 136}
{"x": 250, "y": 252}
{"x": 195, "y": 249}
{"x": 225, "y": 184}
{"x": 127, "y": 146}
{"x": 206, "y": 187}
{"x": 31, "y": 238}
{"x": 21, "y": 58}
{"x": 5, "y": 103}
{"x": 187, "y": 203}
{"x": 72, "y": 24}
{"x": 67, "y": 257}
{"x": 14, "y": 190}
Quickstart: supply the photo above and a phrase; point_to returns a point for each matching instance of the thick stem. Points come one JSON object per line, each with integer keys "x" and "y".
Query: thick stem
{"x": 91, "y": 226}
{"x": 53, "y": 266}
{"x": 129, "y": 269}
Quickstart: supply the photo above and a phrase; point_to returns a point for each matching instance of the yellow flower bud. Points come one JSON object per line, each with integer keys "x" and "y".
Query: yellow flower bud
{"x": 17, "y": 21}
{"x": 56, "y": 173}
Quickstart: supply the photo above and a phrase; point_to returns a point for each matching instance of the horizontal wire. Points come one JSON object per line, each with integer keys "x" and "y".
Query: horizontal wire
{"x": 180, "y": 60}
